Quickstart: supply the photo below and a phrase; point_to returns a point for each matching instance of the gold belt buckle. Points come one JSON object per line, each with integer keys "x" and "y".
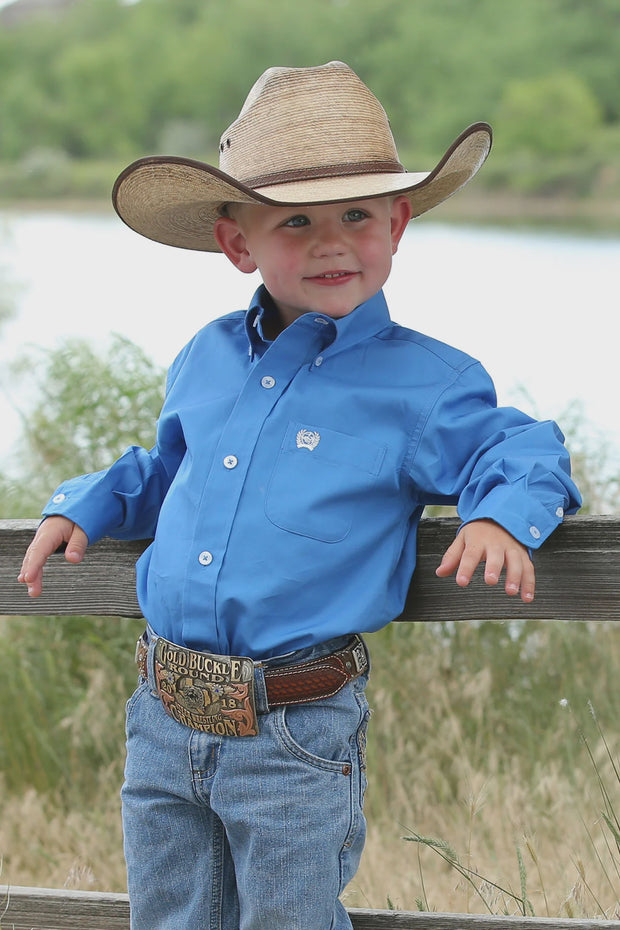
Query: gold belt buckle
{"x": 210, "y": 693}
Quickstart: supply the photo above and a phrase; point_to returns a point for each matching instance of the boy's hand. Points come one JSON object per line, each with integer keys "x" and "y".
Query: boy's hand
{"x": 486, "y": 541}
{"x": 52, "y": 533}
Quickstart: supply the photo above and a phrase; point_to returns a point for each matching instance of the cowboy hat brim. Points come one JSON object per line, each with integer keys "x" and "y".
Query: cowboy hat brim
{"x": 176, "y": 201}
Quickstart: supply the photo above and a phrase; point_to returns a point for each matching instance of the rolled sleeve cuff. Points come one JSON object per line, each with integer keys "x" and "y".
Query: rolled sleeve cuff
{"x": 68, "y": 501}
{"x": 528, "y": 520}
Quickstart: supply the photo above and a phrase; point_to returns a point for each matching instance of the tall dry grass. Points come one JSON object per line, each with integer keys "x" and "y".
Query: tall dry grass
{"x": 485, "y": 790}
{"x": 63, "y": 686}
{"x": 480, "y": 756}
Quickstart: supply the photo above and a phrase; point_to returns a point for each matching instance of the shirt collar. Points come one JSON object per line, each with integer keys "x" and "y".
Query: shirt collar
{"x": 365, "y": 321}
{"x": 261, "y": 306}
{"x": 362, "y": 323}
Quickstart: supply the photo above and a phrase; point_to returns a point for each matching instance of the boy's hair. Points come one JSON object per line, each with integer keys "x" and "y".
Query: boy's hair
{"x": 303, "y": 136}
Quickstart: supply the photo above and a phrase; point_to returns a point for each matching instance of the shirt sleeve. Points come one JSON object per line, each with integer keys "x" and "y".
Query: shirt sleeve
{"x": 124, "y": 501}
{"x": 494, "y": 462}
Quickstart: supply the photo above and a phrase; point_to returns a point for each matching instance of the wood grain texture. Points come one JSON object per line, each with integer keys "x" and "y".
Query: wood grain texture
{"x": 48, "y": 909}
{"x": 578, "y": 577}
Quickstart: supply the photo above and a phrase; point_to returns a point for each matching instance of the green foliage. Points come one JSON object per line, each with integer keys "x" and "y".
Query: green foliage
{"x": 551, "y": 115}
{"x": 549, "y": 132}
{"x": 50, "y": 173}
{"x": 81, "y": 409}
{"x": 63, "y": 684}
{"x": 7, "y": 306}
{"x": 88, "y": 408}
{"x": 112, "y": 81}
{"x": 63, "y": 681}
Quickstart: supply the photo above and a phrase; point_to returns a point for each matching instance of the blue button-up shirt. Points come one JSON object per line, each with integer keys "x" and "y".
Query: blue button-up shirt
{"x": 289, "y": 477}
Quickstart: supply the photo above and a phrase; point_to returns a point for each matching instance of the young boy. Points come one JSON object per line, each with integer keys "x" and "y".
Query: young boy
{"x": 297, "y": 447}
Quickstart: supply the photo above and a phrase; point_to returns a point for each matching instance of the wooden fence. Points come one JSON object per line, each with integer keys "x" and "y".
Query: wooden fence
{"x": 578, "y": 578}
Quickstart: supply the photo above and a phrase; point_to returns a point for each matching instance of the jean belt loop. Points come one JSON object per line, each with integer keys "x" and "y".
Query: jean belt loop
{"x": 151, "y": 639}
{"x": 260, "y": 690}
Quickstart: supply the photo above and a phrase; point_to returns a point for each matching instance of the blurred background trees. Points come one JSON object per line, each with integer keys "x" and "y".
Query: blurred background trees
{"x": 108, "y": 81}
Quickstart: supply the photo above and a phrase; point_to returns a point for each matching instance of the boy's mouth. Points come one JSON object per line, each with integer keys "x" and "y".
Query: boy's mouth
{"x": 332, "y": 277}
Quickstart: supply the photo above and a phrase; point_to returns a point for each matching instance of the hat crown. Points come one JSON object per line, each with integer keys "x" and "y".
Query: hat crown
{"x": 300, "y": 123}
{"x": 304, "y": 136}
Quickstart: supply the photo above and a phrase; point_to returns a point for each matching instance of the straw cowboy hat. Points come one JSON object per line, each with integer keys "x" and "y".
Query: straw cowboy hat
{"x": 304, "y": 136}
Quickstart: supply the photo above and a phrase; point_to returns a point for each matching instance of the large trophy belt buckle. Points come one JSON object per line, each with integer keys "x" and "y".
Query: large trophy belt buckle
{"x": 210, "y": 693}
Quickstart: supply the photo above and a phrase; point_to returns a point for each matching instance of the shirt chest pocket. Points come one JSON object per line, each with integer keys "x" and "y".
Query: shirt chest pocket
{"x": 319, "y": 481}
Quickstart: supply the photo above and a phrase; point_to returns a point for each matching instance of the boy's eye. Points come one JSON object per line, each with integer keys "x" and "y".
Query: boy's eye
{"x": 297, "y": 221}
{"x": 355, "y": 215}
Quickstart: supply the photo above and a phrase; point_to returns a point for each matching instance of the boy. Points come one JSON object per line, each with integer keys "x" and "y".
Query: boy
{"x": 297, "y": 447}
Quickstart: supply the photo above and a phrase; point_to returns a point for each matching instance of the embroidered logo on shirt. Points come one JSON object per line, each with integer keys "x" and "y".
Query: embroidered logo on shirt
{"x": 308, "y": 439}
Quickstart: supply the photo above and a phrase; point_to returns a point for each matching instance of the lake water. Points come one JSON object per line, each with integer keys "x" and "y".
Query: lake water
{"x": 538, "y": 309}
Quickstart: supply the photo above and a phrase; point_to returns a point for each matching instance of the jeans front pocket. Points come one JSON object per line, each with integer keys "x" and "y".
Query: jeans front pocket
{"x": 135, "y": 697}
{"x": 321, "y": 733}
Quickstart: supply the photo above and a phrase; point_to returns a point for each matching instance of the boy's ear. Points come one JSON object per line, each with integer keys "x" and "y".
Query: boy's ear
{"x": 401, "y": 214}
{"x": 232, "y": 242}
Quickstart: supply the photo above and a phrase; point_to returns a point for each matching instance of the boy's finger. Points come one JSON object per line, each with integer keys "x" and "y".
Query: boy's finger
{"x": 514, "y": 572}
{"x": 470, "y": 560}
{"x": 49, "y": 537}
{"x": 36, "y": 556}
{"x": 31, "y": 573}
{"x": 528, "y": 581}
{"x": 520, "y": 575}
{"x": 494, "y": 566}
{"x": 451, "y": 558}
{"x": 76, "y": 546}
{"x": 35, "y": 585}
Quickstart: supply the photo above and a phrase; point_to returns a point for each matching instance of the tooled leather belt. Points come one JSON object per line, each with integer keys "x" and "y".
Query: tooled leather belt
{"x": 203, "y": 690}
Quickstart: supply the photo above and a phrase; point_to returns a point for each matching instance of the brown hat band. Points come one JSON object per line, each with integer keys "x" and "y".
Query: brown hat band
{"x": 327, "y": 171}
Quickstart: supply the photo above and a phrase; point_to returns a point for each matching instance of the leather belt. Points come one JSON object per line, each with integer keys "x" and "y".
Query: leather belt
{"x": 319, "y": 678}
{"x": 289, "y": 684}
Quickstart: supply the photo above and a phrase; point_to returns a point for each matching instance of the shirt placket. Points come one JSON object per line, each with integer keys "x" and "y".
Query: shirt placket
{"x": 267, "y": 380}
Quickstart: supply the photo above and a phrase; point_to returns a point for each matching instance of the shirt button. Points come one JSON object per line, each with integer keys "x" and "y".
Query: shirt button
{"x": 559, "y": 512}
{"x": 318, "y": 360}
{"x": 58, "y": 498}
{"x": 534, "y": 532}
{"x": 268, "y": 381}
{"x": 230, "y": 461}
{"x": 205, "y": 558}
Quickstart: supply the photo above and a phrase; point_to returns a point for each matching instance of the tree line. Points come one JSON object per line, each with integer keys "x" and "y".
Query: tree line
{"x": 112, "y": 80}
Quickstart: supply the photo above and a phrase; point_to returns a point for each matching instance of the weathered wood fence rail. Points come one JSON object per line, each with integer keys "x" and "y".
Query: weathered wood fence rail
{"x": 578, "y": 578}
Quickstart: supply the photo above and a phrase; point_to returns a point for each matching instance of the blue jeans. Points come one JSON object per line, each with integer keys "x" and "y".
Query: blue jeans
{"x": 245, "y": 833}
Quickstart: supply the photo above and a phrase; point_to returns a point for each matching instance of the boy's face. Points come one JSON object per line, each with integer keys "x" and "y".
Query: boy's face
{"x": 326, "y": 258}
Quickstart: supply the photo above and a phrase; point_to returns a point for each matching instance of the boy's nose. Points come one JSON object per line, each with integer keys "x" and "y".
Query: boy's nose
{"x": 330, "y": 240}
